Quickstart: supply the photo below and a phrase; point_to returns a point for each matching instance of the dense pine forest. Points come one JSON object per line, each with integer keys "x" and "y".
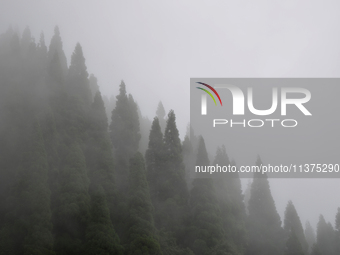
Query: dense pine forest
{"x": 81, "y": 173}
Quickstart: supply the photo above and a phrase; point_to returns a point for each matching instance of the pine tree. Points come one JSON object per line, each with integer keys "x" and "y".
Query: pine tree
{"x": 173, "y": 192}
{"x": 125, "y": 124}
{"x": 28, "y": 228}
{"x": 167, "y": 184}
{"x": 293, "y": 245}
{"x": 175, "y": 184}
{"x": 156, "y": 176}
{"x": 189, "y": 151}
{"x": 160, "y": 113}
{"x": 41, "y": 56}
{"x": 142, "y": 238}
{"x": 310, "y": 236}
{"x": 26, "y": 39}
{"x": 93, "y": 83}
{"x": 68, "y": 176}
{"x": 110, "y": 104}
{"x": 135, "y": 121}
{"x": 230, "y": 199}
{"x": 124, "y": 133}
{"x": 73, "y": 203}
{"x": 39, "y": 238}
{"x": 293, "y": 227}
{"x": 52, "y": 141}
{"x": 15, "y": 46}
{"x": 206, "y": 234}
{"x": 264, "y": 224}
{"x": 325, "y": 236}
{"x": 55, "y": 79}
{"x": 247, "y": 196}
{"x": 42, "y": 46}
{"x": 78, "y": 83}
{"x": 155, "y": 162}
{"x": 337, "y": 232}
{"x": 98, "y": 116}
{"x": 101, "y": 238}
{"x": 188, "y": 159}
{"x": 99, "y": 155}
{"x": 56, "y": 46}
{"x": 10, "y": 114}
{"x": 145, "y": 125}
{"x": 125, "y": 136}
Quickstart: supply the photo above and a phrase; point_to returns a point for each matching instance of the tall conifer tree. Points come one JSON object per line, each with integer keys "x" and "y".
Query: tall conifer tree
{"x": 293, "y": 227}
{"x": 124, "y": 133}
{"x": 28, "y": 228}
{"x": 230, "y": 200}
{"x": 154, "y": 158}
{"x": 101, "y": 237}
{"x": 73, "y": 203}
{"x": 207, "y": 235}
{"x": 264, "y": 224}
{"x": 310, "y": 236}
{"x": 142, "y": 238}
{"x": 56, "y": 47}
{"x": 78, "y": 83}
{"x": 100, "y": 165}
{"x": 337, "y": 232}
{"x": 160, "y": 113}
{"x": 325, "y": 237}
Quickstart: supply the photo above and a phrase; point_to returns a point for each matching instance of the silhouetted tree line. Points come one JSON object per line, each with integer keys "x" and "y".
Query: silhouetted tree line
{"x": 86, "y": 174}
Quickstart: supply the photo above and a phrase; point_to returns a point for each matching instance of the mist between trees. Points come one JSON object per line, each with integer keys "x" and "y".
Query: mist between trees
{"x": 85, "y": 174}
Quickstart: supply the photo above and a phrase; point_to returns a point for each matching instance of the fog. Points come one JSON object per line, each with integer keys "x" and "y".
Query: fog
{"x": 156, "y": 47}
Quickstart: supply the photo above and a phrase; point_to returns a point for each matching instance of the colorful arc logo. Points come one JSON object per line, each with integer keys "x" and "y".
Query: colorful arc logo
{"x": 212, "y": 89}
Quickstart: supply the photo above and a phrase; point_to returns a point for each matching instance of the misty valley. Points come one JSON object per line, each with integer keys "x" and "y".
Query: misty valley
{"x": 83, "y": 173}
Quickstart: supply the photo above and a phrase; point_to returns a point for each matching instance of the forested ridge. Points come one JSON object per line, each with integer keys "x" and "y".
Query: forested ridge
{"x": 81, "y": 173}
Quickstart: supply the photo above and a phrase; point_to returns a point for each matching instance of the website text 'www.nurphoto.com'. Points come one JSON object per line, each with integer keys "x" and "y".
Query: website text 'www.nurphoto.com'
{"x": 268, "y": 168}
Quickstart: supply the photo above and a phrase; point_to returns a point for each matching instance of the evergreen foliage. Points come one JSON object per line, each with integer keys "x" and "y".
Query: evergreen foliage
{"x": 56, "y": 47}
{"x": 310, "y": 236}
{"x": 337, "y": 232}
{"x": 293, "y": 229}
{"x": 77, "y": 78}
{"x": 293, "y": 245}
{"x": 207, "y": 234}
{"x": 72, "y": 183}
{"x": 264, "y": 224}
{"x": 28, "y": 223}
{"x": 73, "y": 203}
{"x": 325, "y": 237}
{"x": 230, "y": 200}
{"x": 101, "y": 237}
{"x": 141, "y": 231}
{"x": 161, "y": 114}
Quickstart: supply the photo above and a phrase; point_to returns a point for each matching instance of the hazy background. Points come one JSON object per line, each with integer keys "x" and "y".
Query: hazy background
{"x": 156, "y": 46}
